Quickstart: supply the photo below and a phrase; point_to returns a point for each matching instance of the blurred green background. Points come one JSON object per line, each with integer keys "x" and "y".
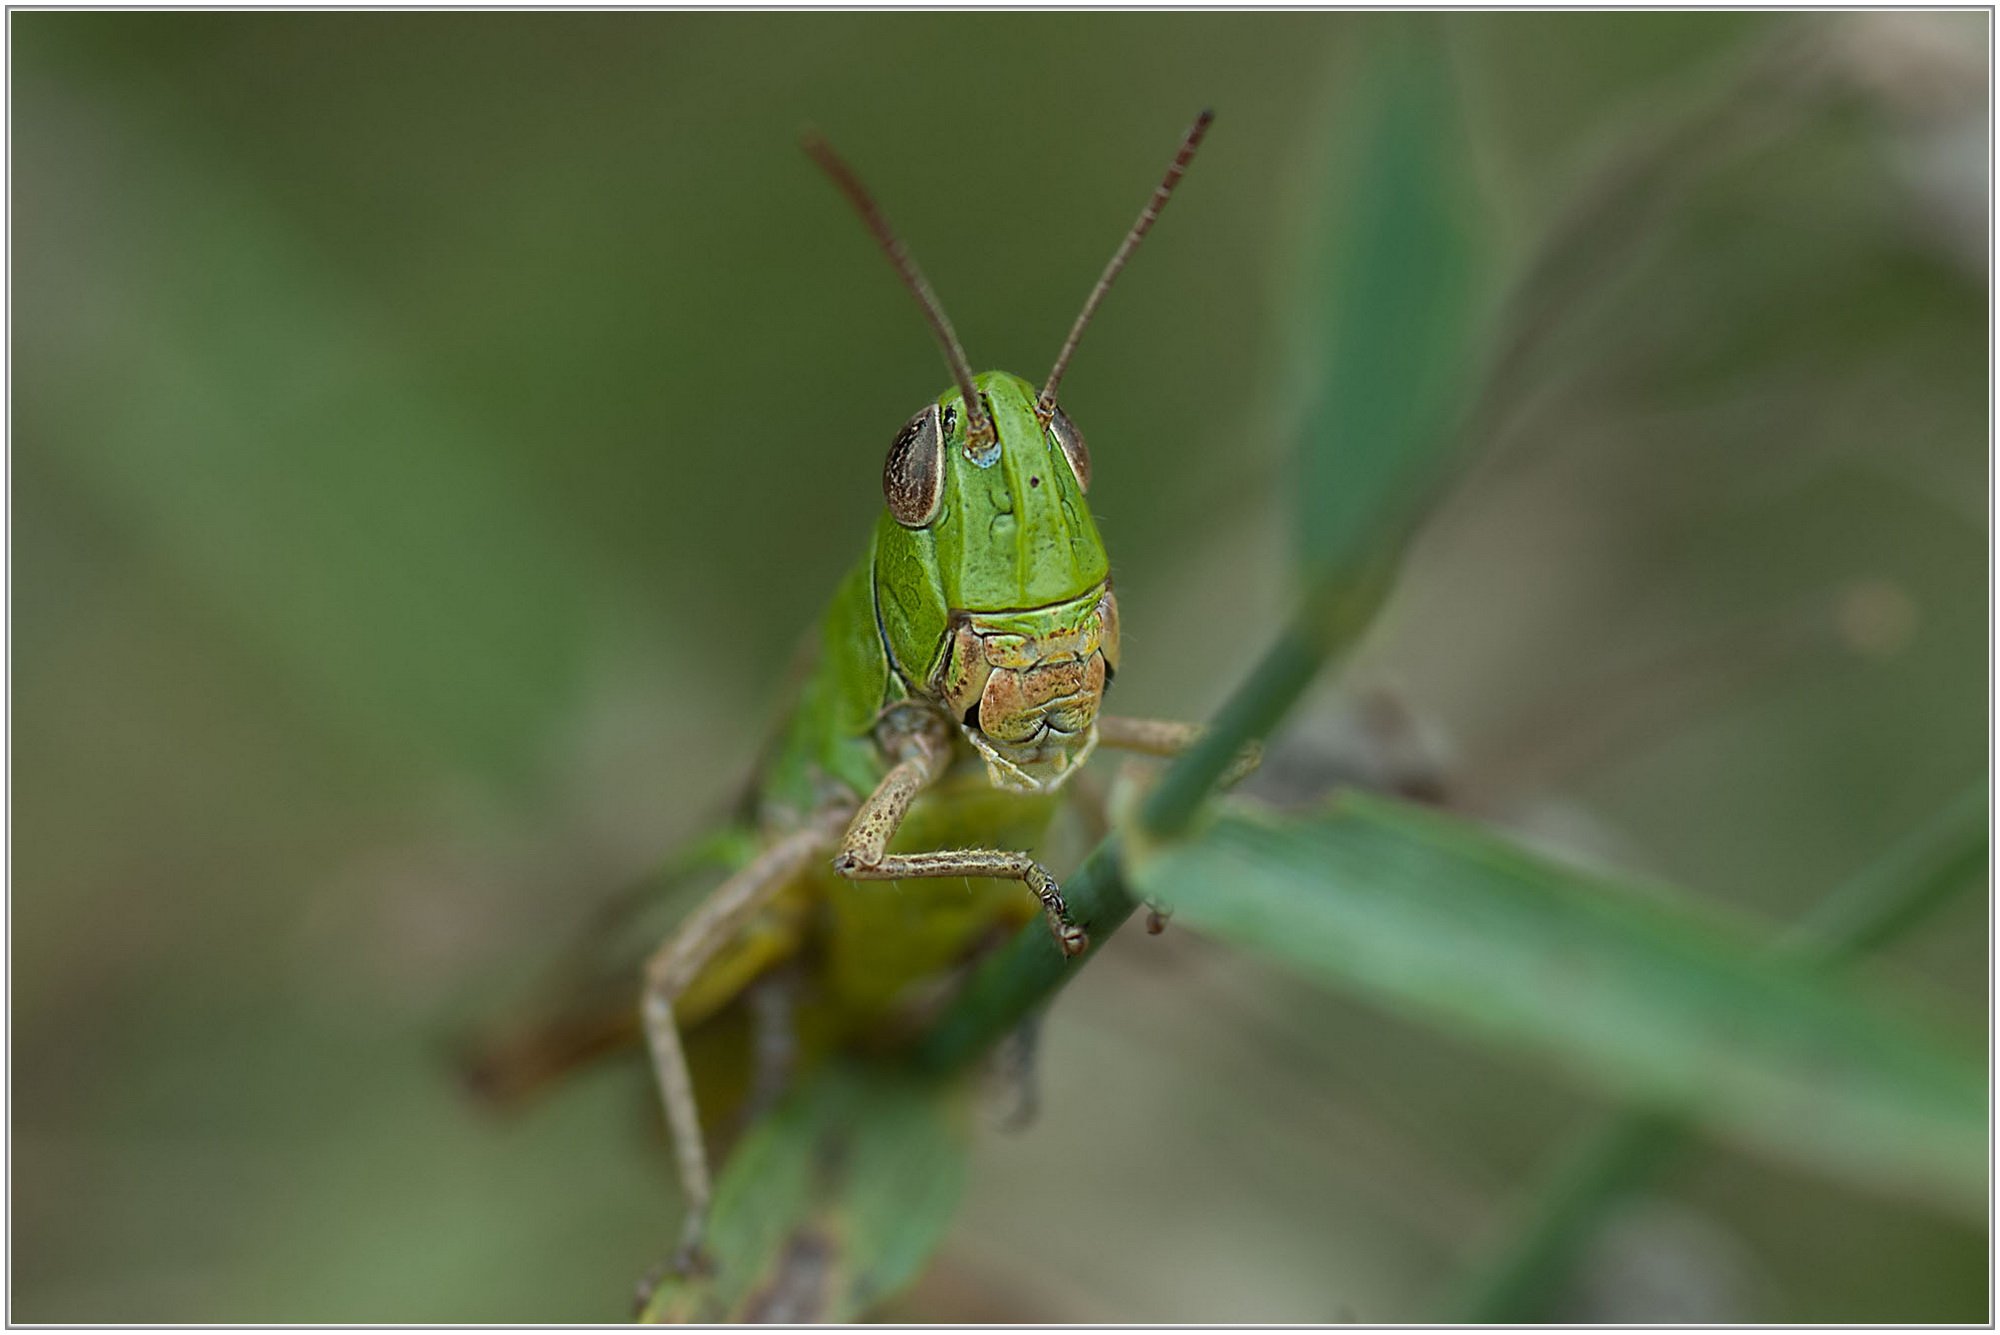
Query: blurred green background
{"x": 432, "y": 433}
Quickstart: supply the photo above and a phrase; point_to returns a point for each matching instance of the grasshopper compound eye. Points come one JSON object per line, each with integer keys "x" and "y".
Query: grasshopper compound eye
{"x": 1070, "y": 441}
{"x": 913, "y": 475}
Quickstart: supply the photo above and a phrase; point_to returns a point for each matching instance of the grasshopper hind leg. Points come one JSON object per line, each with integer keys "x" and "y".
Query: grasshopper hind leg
{"x": 773, "y": 1001}
{"x": 672, "y": 969}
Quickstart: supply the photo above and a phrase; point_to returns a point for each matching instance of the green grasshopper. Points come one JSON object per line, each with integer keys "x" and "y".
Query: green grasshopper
{"x": 956, "y": 689}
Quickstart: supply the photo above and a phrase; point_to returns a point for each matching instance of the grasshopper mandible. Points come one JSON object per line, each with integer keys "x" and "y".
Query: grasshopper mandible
{"x": 956, "y": 688}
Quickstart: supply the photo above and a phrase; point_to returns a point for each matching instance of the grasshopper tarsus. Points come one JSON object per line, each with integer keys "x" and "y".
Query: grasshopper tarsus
{"x": 693, "y": 1261}
{"x": 690, "y": 1260}
{"x": 1071, "y": 939}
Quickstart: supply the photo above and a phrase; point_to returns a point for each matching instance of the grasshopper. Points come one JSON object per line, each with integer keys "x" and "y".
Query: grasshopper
{"x": 956, "y": 689}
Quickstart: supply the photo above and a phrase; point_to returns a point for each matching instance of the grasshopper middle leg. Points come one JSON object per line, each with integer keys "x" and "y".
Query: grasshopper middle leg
{"x": 773, "y": 1001}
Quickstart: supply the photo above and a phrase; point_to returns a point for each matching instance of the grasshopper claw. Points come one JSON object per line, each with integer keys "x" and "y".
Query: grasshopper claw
{"x": 691, "y": 1260}
{"x": 648, "y": 1285}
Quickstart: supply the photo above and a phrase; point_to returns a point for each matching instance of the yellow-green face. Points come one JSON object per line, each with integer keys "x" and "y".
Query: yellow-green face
{"x": 992, "y": 583}
{"x": 1026, "y": 686}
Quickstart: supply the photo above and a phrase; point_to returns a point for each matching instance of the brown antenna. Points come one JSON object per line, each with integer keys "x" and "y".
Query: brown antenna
{"x": 978, "y": 430}
{"x": 1047, "y": 403}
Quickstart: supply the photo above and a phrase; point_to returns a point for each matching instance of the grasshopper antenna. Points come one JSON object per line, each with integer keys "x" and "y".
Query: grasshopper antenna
{"x": 978, "y": 429}
{"x": 1046, "y": 404}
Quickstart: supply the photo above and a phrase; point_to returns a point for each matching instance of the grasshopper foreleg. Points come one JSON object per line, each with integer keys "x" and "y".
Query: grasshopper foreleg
{"x": 923, "y": 754}
{"x": 994, "y": 862}
{"x": 1165, "y": 737}
{"x": 673, "y": 967}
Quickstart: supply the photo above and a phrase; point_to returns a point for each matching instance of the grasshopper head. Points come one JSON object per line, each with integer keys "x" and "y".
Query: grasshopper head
{"x": 992, "y": 585}
{"x": 992, "y": 589}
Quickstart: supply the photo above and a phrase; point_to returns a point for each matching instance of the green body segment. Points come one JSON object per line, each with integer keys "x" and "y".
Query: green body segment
{"x": 1013, "y": 535}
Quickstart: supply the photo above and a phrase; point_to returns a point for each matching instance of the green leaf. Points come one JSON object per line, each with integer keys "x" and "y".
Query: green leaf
{"x": 832, "y": 1204}
{"x": 1393, "y": 294}
{"x": 1890, "y": 897}
{"x": 1642, "y": 995}
{"x": 1387, "y": 331}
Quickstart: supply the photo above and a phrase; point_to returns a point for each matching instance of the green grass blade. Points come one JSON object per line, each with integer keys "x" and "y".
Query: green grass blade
{"x": 1029, "y": 969}
{"x": 1680, "y": 1009}
{"x": 1903, "y": 887}
{"x": 1866, "y": 913}
{"x": 831, "y": 1205}
{"x": 1622, "y": 1153}
{"x": 1387, "y": 330}
{"x": 1394, "y": 287}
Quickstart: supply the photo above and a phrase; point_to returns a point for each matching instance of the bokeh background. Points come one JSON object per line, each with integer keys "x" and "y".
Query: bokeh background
{"x": 432, "y": 433}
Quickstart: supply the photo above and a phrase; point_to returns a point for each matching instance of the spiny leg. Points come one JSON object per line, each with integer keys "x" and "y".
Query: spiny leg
{"x": 668, "y": 974}
{"x": 1166, "y": 737}
{"x": 994, "y": 862}
{"x": 923, "y": 753}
